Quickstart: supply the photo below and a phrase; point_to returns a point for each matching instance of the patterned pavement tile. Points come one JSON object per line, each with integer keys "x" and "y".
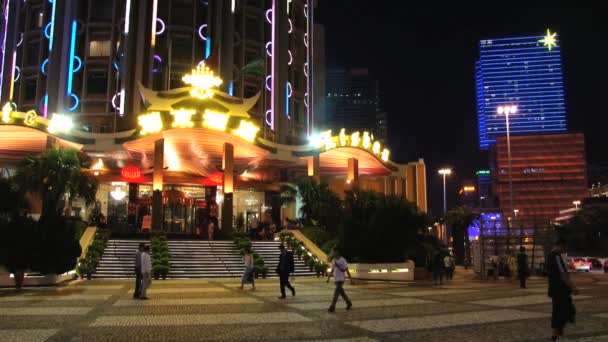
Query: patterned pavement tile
{"x": 354, "y": 339}
{"x": 174, "y": 320}
{"x": 47, "y": 311}
{"x": 438, "y": 292}
{"x": 520, "y": 301}
{"x": 154, "y": 290}
{"x": 190, "y": 301}
{"x": 603, "y": 338}
{"x": 443, "y": 321}
{"x": 56, "y": 297}
{"x": 303, "y": 293}
{"x": 27, "y": 335}
{"x": 602, "y": 315}
{"x": 366, "y": 303}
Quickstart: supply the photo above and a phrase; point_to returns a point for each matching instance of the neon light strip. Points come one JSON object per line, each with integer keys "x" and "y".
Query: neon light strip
{"x": 5, "y": 31}
{"x": 13, "y": 75}
{"x": 121, "y": 109}
{"x": 231, "y": 84}
{"x": 154, "y": 20}
{"x": 287, "y": 95}
{"x": 233, "y": 6}
{"x": 200, "y": 32}
{"x": 207, "y": 48}
{"x": 273, "y": 71}
{"x": 71, "y": 61}
{"x": 127, "y": 16}
{"x": 52, "y": 26}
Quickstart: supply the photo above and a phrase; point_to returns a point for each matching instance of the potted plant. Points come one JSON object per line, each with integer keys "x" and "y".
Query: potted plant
{"x": 320, "y": 269}
{"x": 311, "y": 264}
{"x": 264, "y": 270}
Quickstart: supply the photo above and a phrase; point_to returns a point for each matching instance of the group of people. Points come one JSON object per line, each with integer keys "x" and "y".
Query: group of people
{"x": 264, "y": 230}
{"x": 143, "y": 271}
{"x": 286, "y": 267}
{"x": 442, "y": 267}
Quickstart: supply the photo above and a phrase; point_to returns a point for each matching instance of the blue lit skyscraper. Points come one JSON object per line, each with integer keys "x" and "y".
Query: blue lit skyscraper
{"x": 525, "y": 72}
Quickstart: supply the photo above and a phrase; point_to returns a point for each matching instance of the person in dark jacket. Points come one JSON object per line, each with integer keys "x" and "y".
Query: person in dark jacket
{"x": 522, "y": 267}
{"x": 137, "y": 264}
{"x": 561, "y": 289}
{"x": 284, "y": 268}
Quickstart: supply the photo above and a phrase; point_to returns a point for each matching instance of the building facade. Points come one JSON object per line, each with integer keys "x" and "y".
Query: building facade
{"x": 548, "y": 174}
{"x": 524, "y": 72}
{"x": 353, "y": 102}
{"x": 87, "y": 58}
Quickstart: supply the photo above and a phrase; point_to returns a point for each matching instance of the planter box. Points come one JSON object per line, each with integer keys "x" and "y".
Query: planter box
{"x": 392, "y": 271}
{"x": 48, "y": 279}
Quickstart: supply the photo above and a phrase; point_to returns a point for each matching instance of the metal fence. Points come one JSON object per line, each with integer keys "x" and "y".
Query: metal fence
{"x": 494, "y": 251}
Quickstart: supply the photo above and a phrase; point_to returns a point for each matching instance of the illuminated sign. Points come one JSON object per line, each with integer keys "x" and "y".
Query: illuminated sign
{"x": 483, "y": 172}
{"x": 60, "y": 123}
{"x": 246, "y": 130}
{"x": 130, "y": 172}
{"x": 215, "y": 120}
{"x": 150, "y": 122}
{"x": 182, "y": 118}
{"x": 360, "y": 140}
{"x": 468, "y": 188}
{"x": 6, "y": 112}
{"x": 202, "y": 81}
{"x": 549, "y": 40}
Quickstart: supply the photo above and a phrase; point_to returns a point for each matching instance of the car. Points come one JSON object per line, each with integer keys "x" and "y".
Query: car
{"x": 580, "y": 264}
{"x": 596, "y": 264}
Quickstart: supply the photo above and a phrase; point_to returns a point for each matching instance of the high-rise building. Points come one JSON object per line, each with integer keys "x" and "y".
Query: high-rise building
{"x": 548, "y": 173}
{"x": 88, "y": 57}
{"x": 526, "y": 74}
{"x": 353, "y": 102}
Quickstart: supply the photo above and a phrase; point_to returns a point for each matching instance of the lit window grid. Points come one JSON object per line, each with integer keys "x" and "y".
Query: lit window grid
{"x": 530, "y": 76}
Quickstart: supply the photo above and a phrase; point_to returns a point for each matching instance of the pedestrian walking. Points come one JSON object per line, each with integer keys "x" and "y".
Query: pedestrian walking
{"x": 339, "y": 267}
{"x": 561, "y": 289}
{"x": 437, "y": 268}
{"x": 146, "y": 271}
{"x": 247, "y": 277}
{"x": 210, "y": 230}
{"x": 522, "y": 267}
{"x": 285, "y": 266}
{"x": 449, "y": 266}
{"x": 137, "y": 263}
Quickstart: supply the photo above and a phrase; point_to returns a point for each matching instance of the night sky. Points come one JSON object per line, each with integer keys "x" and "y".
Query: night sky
{"x": 424, "y": 58}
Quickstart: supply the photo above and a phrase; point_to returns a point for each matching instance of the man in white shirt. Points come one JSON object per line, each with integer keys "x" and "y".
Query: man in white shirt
{"x": 339, "y": 267}
{"x": 146, "y": 270}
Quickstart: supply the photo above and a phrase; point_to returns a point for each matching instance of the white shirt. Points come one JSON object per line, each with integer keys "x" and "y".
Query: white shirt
{"x": 339, "y": 267}
{"x": 146, "y": 263}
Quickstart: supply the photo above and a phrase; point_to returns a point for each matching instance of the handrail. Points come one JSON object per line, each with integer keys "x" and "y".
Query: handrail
{"x": 311, "y": 246}
{"x": 87, "y": 239}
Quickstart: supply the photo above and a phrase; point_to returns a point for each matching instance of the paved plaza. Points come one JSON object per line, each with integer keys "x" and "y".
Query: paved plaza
{"x": 215, "y": 310}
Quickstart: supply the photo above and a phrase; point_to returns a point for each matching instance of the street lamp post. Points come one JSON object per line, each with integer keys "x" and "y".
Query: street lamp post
{"x": 445, "y": 172}
{"x": 506, "y": 110}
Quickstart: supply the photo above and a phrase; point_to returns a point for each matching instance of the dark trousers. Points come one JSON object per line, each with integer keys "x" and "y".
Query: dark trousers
{"x": 522, "y": 280}
{"x": 137, "y": 283}
{"x": 339, "y": 291}
{"x": 284, "y": 278}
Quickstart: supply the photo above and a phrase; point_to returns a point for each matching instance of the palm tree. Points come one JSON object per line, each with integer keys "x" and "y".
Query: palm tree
{"x": 460, "y": 218}
{"x": 57, "y": 177}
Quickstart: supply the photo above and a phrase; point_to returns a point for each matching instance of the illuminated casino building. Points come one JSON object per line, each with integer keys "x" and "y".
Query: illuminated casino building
{"x": 88, "y": 57}
{"x": 548, "y": 171}
{"x": 178, "y": 122}
{"x": 525, "y": 72}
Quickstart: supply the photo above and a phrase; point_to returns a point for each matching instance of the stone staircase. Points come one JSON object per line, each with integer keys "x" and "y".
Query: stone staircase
{"x": 191, "y": 259}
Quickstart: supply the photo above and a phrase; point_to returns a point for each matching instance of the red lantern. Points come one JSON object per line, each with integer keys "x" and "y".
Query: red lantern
{"x": 131, "y": 172}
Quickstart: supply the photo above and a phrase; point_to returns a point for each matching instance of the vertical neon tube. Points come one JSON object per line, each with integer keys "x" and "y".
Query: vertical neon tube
{"x": 287, "y": 100}
{"x": 272, "y": 68}
{"x": 233, "y": 6}
{"x": 71, "y": 61}
{"x": 154, "y": 16}
{"x": 5, "y": 32}
{"x": 52, "y": 25}
{"x": 231, "y": 88}
{"x": 208, "y": 48}
{"x": 10, "y": 94}
{"x": 127, "y": 15}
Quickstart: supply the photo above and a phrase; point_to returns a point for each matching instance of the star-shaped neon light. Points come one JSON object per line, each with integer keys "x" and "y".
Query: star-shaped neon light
{"x": 549, "y": 41}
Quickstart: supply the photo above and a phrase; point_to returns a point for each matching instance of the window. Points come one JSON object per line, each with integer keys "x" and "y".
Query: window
{"x": 182, "y": 12}
{"x": 252, "y": 28}
{"x": 101, "y": 11}
{"x": 33, "y": 53}
{"x": 29, "y": 90}
{"x": 182, "y": 49}
{"x": 100, "y": 48}
{"x": 97, "y": 82}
